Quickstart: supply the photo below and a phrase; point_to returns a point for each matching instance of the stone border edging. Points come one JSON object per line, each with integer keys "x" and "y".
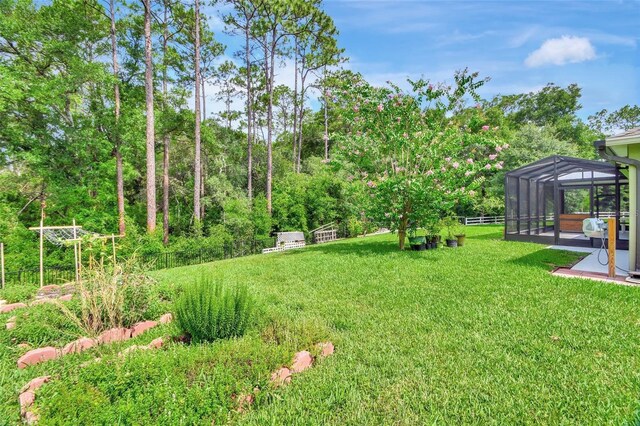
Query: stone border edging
{"x": 44, "y": 294}
{"x": 301, "y": 361}
{"x": 27, "y": 395}
{"x": 118, "y": 334}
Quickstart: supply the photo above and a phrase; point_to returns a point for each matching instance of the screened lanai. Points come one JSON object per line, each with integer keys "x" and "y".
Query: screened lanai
{"x": 547, "y": 200}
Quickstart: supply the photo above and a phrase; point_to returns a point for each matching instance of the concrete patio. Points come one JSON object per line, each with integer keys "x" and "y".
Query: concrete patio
{"x": 593, "y": 262}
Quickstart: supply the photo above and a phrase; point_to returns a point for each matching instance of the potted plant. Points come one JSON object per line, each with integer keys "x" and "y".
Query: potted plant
{"x": 428, "y": 244}
{"x": 435, "y": 239}
{"x": 460, "y": 235}
{"x": 417, "y": 243}
{"x": 451, "y": 226}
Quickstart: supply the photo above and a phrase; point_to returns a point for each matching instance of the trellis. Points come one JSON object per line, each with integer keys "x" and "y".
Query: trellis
{"x": 325, "y": 233}
{"x": 63, "y": 236}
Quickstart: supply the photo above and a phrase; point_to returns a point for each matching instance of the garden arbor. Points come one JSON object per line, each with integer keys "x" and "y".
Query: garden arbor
{"x": 66, "y": 235}
{"x": 547, "y": 200}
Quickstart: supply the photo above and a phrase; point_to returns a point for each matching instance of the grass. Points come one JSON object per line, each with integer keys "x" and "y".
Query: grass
{"x": 480, "y": 334}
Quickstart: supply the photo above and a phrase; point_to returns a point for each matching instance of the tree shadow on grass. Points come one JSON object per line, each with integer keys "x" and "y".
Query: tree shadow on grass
{"x": 495, "y": 236}
{"x": 357, "y": 246}
{"x": 365, "y": 247}
{"x": 549, "y": 259}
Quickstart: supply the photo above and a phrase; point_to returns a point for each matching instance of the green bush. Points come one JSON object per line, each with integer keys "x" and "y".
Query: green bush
{"x": 112, "y": 296}
{"x": 208, "y": 311}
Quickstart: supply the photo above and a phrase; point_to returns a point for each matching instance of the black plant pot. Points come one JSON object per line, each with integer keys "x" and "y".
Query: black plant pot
{"x": 452, "y": 243}
{"x": 418, "y": 247}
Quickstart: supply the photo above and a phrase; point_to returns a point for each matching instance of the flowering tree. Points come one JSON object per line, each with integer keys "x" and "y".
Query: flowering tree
{"x": 416, "y": 158}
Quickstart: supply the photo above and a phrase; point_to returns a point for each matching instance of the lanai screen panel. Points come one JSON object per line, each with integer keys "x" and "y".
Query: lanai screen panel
{"x": 511, "y": 205}
{"x": 535, "y": 195}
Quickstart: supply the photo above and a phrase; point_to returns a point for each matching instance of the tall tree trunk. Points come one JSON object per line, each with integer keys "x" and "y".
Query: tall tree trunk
{"x": 165, "y": 136}
{"x": 295, "y": 105}
{"x": 300, "y": 118}
{"x": 116, "y": 150}
{"x": 204, "y": 99}
{"x": 202, "y": 180}
{"x": 197, "y": 175}
{"x": 299, "y": 159}
{"x": 326, "y": 119}
{"x": 247, "y": 51}
{"x": 151, "y": 155}
{"x": 271, "y": 76}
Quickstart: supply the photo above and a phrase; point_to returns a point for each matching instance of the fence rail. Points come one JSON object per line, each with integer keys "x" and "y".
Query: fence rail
{"x": 174, "y": 259}
{"x": 151, "y": 261}
{"x": 494, "y": 220}
{"x": 484, "y": 220}
{"x": 52, "y": 275}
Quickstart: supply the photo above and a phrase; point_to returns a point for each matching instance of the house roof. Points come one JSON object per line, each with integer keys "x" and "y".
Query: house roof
{"x": 627, "y": 137}
{"x": 567, "y": 170}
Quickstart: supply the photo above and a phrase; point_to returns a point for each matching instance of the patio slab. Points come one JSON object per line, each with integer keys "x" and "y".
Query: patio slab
{"x": 591, "y": 265}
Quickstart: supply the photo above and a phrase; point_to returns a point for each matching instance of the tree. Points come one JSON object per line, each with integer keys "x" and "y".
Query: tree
{"x": 625, "y": 118}
{"x": 550, "y": 105}
{"x": 226, "y": 80}
{"x": 197, "y": 166}
{"x": 242, "y": 22}
{"x": 276, "y": 23}
{"x": 116, "y": 99}
{"x": 316, "y": 48}
{"x": 172, "y": 24}
{"x": 416, "y": 162}
{"x": 150, "y": 144}
{"x": 53, "y": 119}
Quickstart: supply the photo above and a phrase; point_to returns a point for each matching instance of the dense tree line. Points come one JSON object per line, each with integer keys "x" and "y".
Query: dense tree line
{"x": 97, "y": 125}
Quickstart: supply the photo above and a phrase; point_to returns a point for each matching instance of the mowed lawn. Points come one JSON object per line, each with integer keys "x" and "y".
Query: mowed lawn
{"x": 481, "y": 334}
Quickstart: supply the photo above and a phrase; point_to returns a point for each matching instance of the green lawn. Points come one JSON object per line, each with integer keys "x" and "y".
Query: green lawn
{"x": 480, "y": 334}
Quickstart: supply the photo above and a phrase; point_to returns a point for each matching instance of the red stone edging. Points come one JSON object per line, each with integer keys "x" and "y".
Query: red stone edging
{"x": 45, "y": 294}
{"x": 28, "y": 396}
{"x": 36, "y": 356}
{"x": 301, "y": 361}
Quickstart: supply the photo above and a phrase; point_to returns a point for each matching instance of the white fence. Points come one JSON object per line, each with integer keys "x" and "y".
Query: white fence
{"x": 484, "y": 220}
{"x": 284, "y": 246}
{"x": 606, "y": 214}
{"x": 498, "y": 220}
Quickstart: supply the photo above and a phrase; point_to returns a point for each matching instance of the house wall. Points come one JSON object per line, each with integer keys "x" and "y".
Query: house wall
{"x": 634, "y": 153}
{"x": 630, "y": 149}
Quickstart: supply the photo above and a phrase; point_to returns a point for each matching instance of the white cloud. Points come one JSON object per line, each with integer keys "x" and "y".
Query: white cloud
{"x": 560, "y": 51}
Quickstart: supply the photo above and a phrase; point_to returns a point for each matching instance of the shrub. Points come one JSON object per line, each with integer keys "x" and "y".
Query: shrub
{"x": 208, "y": 311}
{"x": 112, "y": 296}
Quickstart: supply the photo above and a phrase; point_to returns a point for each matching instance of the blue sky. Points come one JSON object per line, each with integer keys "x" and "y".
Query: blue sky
{"x": 591, "y": 43}
{"x": 521, "y": 45}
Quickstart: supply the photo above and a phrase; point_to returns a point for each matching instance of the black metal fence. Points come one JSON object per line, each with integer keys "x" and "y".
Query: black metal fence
{"x": 52, "y": 275}
{"x": 174, "y": 259}
{"x": 151, "y": 261}
{"x": 161, "y": 260}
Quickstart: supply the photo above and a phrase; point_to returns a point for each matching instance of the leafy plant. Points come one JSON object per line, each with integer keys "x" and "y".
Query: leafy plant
{"x": 417, "y": 163}
{"x": 208, "y": 311}
{"x": 111, "y": 296}
{"x": 452, "y": 227}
